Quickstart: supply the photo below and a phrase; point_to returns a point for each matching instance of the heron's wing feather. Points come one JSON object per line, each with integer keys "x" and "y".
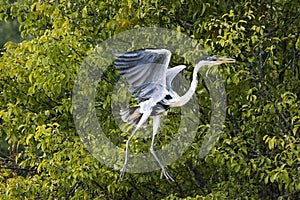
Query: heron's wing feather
{"x": 145, "y": 70}
{"x": 171, "y": 74}
{"x": 149, "y": 90}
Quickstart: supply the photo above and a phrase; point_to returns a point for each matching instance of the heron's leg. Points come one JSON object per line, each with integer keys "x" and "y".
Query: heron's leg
{"x": 164, "y": 172}
{"x": 143, "y": 119}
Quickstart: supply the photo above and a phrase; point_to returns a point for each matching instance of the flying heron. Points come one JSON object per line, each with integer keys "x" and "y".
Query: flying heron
{"x": 150, "y": 78}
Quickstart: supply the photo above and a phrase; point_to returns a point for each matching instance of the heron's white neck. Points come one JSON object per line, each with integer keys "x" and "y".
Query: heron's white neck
{"x": 189, "y": 94}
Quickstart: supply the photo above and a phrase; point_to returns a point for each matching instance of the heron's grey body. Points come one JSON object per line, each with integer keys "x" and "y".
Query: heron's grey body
{"x": 150, "y": 78}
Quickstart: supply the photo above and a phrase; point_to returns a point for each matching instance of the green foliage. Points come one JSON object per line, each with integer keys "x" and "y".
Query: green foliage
{"x": 9, "y": 32}
{"x": 258, "y": 154}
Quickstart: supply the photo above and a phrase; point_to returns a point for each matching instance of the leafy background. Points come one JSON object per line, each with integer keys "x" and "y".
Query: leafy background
{"x": 43, "y": 44}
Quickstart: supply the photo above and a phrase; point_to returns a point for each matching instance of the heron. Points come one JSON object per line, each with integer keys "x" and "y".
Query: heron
{"x": 150, "y": 78}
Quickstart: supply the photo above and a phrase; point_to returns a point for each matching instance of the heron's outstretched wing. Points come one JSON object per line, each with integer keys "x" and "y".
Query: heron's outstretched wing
{"x": 146, "y": 71}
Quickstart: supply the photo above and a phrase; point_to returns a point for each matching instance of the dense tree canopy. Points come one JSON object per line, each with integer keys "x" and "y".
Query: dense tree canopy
{"x": 258, "y": 153}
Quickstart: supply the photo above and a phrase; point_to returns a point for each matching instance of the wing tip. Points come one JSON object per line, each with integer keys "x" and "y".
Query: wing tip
{"x": 130, "y": 54}
{"x": 138, "y": 53}
{"x": 163, "y": 51}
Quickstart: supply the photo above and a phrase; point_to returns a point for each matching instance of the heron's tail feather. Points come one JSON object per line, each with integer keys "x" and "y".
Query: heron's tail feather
{"x": 132, "y": 116}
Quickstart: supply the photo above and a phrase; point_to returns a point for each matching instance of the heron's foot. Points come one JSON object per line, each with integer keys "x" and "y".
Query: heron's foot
{"x": 123, "y": 170}
{"x": 166, "y": 175}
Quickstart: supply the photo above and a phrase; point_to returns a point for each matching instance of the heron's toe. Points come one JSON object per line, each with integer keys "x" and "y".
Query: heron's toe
{"x": 166, "y": 174}
{"x": 123, "y": 171}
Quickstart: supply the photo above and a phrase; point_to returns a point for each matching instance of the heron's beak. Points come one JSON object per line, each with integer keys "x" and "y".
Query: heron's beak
{"x": 225, "y": 60}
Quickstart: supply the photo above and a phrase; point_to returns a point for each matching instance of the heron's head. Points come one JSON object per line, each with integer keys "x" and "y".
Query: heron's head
{"x": 211, "y": 60}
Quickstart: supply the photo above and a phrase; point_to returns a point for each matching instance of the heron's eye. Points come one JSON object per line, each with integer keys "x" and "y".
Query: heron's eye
{"x": 212, "y": 58}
